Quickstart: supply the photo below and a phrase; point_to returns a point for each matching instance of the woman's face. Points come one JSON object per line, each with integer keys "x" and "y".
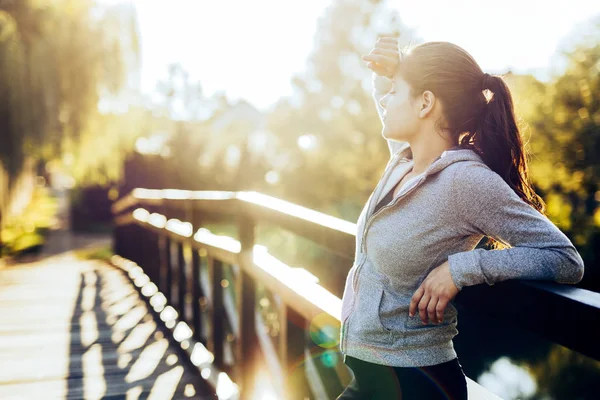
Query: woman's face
{"x": 400, "y": 121}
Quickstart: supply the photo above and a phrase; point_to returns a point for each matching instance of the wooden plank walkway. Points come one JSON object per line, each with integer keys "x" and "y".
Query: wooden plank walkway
{"x": 77, "y": 329}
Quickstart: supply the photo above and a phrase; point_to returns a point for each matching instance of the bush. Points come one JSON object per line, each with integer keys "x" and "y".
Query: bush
{"x": 26, "y": 232}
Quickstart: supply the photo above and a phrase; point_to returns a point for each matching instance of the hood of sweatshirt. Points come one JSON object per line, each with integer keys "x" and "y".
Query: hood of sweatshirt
{"x": 448, "y": 157}
{"x": 401, "y": 163}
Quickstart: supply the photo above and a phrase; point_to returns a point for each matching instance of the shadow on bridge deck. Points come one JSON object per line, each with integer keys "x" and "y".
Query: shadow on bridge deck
{"x": 76, "y": 328}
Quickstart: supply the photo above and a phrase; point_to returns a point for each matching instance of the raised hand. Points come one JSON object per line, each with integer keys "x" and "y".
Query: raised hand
{"x": 384, "y": 58}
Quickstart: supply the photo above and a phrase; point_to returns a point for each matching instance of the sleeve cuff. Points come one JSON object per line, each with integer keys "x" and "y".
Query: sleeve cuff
{"x": 464, "y": 269}
{"x": 381, "y": 84}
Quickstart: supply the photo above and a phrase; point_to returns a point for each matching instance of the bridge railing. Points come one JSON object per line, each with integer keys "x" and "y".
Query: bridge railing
{"x": 246, "y": 316}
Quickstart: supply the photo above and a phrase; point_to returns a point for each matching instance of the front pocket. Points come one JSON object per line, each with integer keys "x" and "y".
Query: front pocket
{"x": 416, "y": 323}
{"x": 392, "y": 311}
{"x": 365, "y": 324}
{"x": 380, "y": 295}
{"x": 419, "y": 334}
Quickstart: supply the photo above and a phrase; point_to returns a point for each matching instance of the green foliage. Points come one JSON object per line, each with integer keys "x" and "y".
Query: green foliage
{"x": 565, "y": 375}
{"x": 333, "y": 107}
{"x": 55, "y": 62}
{"x": 28, "y": 229}
{"x": 97, "y": 158}
{"x": 310, "y": 142}
{"x": 95, "y": 253}
{"x": 563, "y": 120}
{"x": 563, "y": 117}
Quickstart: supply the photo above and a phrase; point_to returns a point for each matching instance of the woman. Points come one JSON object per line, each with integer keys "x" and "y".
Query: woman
{"x": 457, "y": 173}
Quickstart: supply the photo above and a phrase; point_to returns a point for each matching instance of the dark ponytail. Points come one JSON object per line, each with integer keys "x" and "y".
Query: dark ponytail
{"x": 498, "y": 140}
{"x": 478, "y": 110}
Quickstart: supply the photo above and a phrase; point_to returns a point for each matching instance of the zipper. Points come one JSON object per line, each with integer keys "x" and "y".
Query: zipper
{"x": 370, "y": 221}
{"x": 344, "y": 344}
{"x": 375, "y": 195}
{"x": 363, "y": 244}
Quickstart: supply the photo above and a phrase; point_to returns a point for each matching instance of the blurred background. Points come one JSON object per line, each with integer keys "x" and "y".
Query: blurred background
{"x": 100, "y": 97}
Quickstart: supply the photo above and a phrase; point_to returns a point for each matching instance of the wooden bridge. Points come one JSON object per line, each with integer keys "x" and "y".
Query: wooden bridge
{"x": 181, "y": 312}
{"x": 251, "y": 312}
{"x": 78, "y": 329}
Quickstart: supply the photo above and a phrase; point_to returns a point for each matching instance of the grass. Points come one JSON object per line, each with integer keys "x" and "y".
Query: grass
{"x": 96, "y": 253}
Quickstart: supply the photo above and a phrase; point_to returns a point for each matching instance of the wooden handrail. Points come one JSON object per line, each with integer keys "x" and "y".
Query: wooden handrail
{"x": 557, "y": 312}
{"x": 335, "y": 234}
{"x": 309, "y": 299}
{"x": 321, "y": 301}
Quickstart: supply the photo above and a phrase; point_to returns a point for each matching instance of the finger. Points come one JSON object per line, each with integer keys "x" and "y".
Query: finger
{"x": 379, "y": 59}
{"x": 382, "y": 69}
{"x": 414, "y": 302}
{"x": 388, "y": 65}
{"x": 441, "y": 306}
{"x": 423, "y": 307}
{"x": 431, "y": 309}
{"x": 391, "y": 58}
{"x": 387, "y": 39}
{"x": 378, "y": 69}
{"x": 390, "y": 53}
{"x": 387, "y": 45}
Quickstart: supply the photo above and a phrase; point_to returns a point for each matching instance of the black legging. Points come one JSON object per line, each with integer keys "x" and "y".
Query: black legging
{"x": 444, "y": 381}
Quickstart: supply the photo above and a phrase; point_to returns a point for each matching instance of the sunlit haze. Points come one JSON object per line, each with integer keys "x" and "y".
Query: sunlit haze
{"x": 251, "y": 50}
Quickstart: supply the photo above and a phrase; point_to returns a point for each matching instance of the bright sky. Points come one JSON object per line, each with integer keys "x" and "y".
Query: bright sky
{"x": 272, "y": 39}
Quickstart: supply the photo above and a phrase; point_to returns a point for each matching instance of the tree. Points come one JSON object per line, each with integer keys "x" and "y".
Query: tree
{"x": 332, "y": 117}
{"x": 564, "y": 126}
{"x": 58, "y": 61}
{"x": 55, "y": 63}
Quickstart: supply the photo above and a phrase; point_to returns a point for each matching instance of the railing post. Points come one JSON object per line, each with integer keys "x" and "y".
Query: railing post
{"x": 126, "y": 244}
{"x": 181, "y": 280}
{"x": 168, "y": 268}
{"x": 188, "y": 298}
{"x": 144, "y": 248}
{"x": 163, "y": 260}
{"x": 196, "y": 293}
{"x": 195, "y": 288}
{"x": 152, "y": 261}
{"x": 155, "y": 251}
{"x": 174, "y": 290}
{"x": 296, "y": 328}
{"x": 116, "y": 238}
{"x": 141, "y": 247}
{"x": 247, "y": 344}
{"x": 218, "y": 312}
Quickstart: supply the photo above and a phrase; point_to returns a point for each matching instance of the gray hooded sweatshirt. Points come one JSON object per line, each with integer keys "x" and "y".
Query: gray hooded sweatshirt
{"x": 438, "y": 217}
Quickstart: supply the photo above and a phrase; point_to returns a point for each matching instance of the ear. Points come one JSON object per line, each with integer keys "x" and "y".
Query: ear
{"x": 426, "y": 104}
